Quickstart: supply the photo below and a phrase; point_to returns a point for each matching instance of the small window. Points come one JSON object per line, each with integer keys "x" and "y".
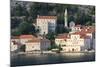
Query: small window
{"x": 63, "y": 45}
{"x": 32, "y": 46}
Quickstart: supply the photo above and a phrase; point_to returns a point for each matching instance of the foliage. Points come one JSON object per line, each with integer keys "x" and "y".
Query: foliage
{"x": 15, "y": 32}
{"x": 24, "y": 28}
{"x": 80, "y": 14}
{"x": 53, "y": 46}
{"x": 51, "y": 36}
{"x": 22, "y": 48}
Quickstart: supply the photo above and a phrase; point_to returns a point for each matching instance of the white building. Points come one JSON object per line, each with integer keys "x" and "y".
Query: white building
{"x": 74, "y": 28}
{"x": 25, "y": 38}
{"x": 73, "y": 42}
{"x": 37, "y": 44}
{"x": 46, "y": 24}
{"x": 30, "y": 42}
{"x": 70, "y": 43}
{"x": 14, "y": 43}
{"x": 13, "y": 46}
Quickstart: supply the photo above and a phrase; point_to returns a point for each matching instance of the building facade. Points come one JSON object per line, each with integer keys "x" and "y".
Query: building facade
{"x": 25, "y": 38}
{"x": 13, "y": 46}
{"x": 37, "y": 45}
{"x": 14, "y": 43}
{"x": 46, "y": 24}
{"x": 74, "y": 42}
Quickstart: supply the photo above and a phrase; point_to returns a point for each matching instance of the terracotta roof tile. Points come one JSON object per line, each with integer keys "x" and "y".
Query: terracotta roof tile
{"x": 14, "y": 37}
{"x": 26, "y": 36}
{"x": 78, "y": 26}
{"x": 34, "y": 40}
{"x": 37, "y": 40}
{"x": 63, "y": 36}
{"x": 47, "y": 17}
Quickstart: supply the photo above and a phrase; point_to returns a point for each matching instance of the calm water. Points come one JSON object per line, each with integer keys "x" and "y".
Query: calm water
{"x": 37, "y": 59}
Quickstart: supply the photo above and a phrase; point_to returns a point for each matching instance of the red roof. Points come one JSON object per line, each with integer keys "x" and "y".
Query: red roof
{"x": 47, "y": 17}
{"x": 63, "y": 36}
{"x": 34, "y": 40}
{"x": 81, "y": 34}
{"x": 26, "y": 36}
{"x": 87, "y": 30}
{"x": 78, "y": 26}
{"x": 37, "y": 40}
{"x": 85, "y": 36}
{"x": 14, "y": 37}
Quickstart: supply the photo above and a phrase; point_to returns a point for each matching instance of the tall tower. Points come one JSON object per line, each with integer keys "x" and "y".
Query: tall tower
{"x": 65, "y": 17}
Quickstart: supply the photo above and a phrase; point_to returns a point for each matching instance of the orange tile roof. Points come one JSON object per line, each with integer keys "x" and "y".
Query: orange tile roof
{"x": 47, "y": 17}
{"x": 45, "y": 40}
{"x": 88, "y": 30}
{"x": 37, "y": 40}
{"x": 85, "y": 37}
{"x": 26, "y": 36}
{"x": 63, "y": 36}
{"x": 81, "y": 34}
{"x": 14, "y": 37}
{"x": 34, "y": 40}
{"x": 78, "y": 25}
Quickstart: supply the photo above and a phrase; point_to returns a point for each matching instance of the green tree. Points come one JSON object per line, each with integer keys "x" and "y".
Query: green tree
{"x": 51, "y": 36}
{"x": 26, "y": 28}
{"x": 22, "y": 48}
{"x": 15, "y": 32}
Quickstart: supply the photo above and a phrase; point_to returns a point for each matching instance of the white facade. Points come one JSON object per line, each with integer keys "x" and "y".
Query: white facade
{"x": 73, "y": 43}
{"x": 14, "y": 43}
{"x": 43, "y": 44}
{"x": 46, "y": 24}
{"x": 75, "y": 29}
{"x": 25, "y": 38}
{"x": 23, "y": 41}
{"x": 42, "y": 26}
{"x": 90, "y": 34}
{"x": 13, "y": 46}
{"x": 32, "y": 46}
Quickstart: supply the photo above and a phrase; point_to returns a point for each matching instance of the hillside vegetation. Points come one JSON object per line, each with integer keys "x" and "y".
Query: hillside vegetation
{"x": 24, "y": 14}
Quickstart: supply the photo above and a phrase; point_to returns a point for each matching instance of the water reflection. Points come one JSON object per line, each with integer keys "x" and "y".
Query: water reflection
{"x": 34, "y": 59}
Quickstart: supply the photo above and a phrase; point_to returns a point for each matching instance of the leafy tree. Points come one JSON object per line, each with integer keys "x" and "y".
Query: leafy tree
{"x": 22, "y": 48}
{"x": 51, "y": 36}
{"x": 59, "y": 47}
{"x": 15, "y": 22}
{"x": 15, "y": 32}
{"x": 66, "y": 30}
{"x": 81, "y": 14}
{"x": 26, "y": 28}
{"x": 19, "y": 10}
